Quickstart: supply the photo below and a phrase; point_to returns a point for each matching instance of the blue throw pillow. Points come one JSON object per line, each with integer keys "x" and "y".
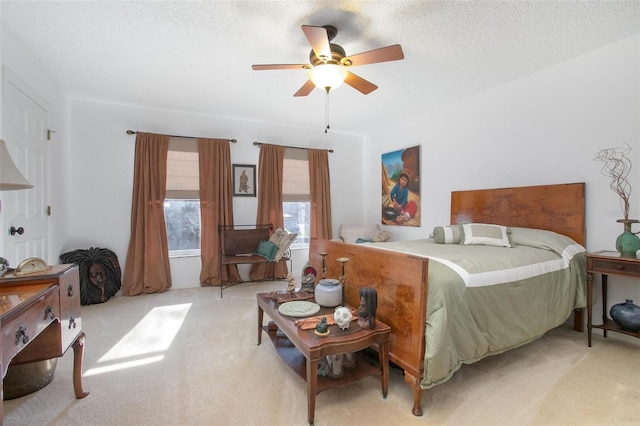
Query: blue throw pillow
{"x": 363, "y": 240}
{"x": 267, "y": 249}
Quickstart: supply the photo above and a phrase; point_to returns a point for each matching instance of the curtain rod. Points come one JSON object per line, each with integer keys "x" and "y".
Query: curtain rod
{"x": 288, "y": 146}
{"x": 131, "y": 132}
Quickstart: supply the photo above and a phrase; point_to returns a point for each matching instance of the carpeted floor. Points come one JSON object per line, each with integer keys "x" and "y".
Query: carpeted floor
{"x": 188, "y": 357}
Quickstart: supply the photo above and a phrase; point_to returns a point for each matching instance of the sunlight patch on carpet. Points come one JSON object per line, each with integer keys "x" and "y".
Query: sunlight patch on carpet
{"x": 146, "y": 342}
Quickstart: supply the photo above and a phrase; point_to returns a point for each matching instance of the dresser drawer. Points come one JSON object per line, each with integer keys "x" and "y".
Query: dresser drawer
{"x": 605, "y": 266}
{"x": 71, "y": 324}
{"x": 22, "y": 329}
{"x": 69, "y": 287}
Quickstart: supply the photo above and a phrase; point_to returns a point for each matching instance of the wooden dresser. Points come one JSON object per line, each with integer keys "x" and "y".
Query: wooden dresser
{"x": 40, "y": 319}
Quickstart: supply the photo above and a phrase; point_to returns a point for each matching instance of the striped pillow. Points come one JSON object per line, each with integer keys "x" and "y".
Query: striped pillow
{"x": 447, "y": 234}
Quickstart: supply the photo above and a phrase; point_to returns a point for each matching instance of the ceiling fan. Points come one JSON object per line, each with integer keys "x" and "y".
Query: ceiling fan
{"x": 329, "y": 64}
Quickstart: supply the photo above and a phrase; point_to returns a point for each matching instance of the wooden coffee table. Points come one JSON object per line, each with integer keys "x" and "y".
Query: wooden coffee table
{"x": 302, "y": 349}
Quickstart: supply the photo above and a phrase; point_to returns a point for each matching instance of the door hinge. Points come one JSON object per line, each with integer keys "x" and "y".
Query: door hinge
{"x": 48, "y": 210}
{"x": 49, "y": 131}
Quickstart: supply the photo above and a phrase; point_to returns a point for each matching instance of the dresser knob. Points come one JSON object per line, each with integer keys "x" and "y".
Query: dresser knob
{"x": 21, "y": 335}
{"x": 70, "y": 290}
{"x": 619, "y": 267}
{"x": 72, "y": 323}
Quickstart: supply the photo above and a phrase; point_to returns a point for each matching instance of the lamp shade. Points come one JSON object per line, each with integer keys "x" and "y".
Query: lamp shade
{"x": 328, "y": 75}
{"x": 10, "y": 177}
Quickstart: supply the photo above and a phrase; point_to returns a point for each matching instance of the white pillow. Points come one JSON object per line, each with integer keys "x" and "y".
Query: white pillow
{"x": 383, "y": 236}
{"x": 283, "y": 240}
{"x": 484, "y": 234}
{"x": 351, "y": 233}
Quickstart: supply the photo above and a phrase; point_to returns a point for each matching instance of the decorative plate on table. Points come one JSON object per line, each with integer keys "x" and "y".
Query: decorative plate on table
{"x": 299, "y": 308}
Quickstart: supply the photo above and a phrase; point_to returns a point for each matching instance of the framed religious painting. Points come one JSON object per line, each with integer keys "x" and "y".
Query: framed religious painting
{"x": 244, "y": 180}
{"x": 401, "y": 187}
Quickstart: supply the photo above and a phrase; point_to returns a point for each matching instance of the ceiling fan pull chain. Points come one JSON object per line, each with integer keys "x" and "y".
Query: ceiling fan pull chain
{"x": 326, "y": 110}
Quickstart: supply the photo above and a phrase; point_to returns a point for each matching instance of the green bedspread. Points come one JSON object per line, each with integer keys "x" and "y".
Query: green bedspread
{"x": 484, "y": 300}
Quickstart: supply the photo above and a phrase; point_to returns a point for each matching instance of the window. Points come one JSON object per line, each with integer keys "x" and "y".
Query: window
{"x": 183, "y": 226}
{"x": 296, "y": 199}
{"x": 182, "y": 201}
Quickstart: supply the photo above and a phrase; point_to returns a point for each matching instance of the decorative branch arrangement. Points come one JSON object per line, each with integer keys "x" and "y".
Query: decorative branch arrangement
{"x": 617, "y": 166}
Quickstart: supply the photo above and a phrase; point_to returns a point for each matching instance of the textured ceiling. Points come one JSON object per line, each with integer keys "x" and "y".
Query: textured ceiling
{"x": 197, "y": 55}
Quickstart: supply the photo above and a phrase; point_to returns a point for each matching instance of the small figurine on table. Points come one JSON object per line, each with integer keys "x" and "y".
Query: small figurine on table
{"x": 367, "y": 308}
{"x": 322, "y": 329}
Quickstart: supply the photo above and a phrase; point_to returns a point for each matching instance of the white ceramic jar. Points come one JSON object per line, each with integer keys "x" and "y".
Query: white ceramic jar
{"x": 328, "y": 293}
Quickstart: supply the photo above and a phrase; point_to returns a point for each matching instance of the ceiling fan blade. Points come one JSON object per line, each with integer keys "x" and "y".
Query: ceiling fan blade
{"x": 319, "y": 41}
{"x": 281, "y": 67}
{"x": 305, "y": 89}
{"x": 360, "y": 84}
{"x": 383, "y": 54}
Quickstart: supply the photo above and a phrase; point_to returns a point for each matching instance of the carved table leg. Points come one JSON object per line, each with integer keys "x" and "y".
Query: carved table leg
{"x": 78, "y": 354}
{"x": 414, "y": 382}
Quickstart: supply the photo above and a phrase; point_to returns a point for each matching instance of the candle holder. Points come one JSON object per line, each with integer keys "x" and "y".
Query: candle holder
{"x": 342, "y": 261}
{"x": 324, "y": 268}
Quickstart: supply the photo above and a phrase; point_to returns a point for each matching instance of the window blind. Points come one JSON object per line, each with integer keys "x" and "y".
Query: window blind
{"x": 295, "y": 175}
{"x": 183, "y": 170}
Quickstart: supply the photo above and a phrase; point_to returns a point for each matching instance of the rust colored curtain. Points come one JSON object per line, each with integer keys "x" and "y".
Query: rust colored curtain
{"x": 320, "y": 193}
{"x": 147, "y": 268}
{"x": 270, "y": 168}
{"x": 216, "y": 208}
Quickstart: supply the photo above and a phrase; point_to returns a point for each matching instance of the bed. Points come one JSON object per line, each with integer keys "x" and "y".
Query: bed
{"x": 441, "y": 318}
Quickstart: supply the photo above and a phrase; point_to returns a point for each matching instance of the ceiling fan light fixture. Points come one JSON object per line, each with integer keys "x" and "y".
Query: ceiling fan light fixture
{"x": 328, "y": 76}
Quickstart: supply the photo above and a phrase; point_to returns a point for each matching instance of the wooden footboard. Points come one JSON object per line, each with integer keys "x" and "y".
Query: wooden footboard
{"x": 401, "y": 282}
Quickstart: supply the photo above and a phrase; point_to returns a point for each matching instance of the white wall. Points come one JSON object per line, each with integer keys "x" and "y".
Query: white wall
{"x": 541, "y": 129}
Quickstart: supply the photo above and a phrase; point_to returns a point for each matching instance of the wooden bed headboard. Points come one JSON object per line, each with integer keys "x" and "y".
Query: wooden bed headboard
{"x": 559, "y": 208}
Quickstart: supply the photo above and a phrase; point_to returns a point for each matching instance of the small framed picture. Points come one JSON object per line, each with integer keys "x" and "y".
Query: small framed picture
{"x": 244, "y": 180}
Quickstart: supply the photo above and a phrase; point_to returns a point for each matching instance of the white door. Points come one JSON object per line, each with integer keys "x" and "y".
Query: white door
{"x": 25, "y": 123}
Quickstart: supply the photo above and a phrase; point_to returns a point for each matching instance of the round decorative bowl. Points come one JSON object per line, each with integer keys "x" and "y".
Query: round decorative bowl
{"x": 626, "y": 315}
{"x": 328, "y": 293}
{"x": 23, "y": 379}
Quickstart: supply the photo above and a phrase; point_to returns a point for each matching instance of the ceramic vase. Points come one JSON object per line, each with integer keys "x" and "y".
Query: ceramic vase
{"x": 628, "y": 243}
{"x": 328, "y": 293}
{"x": 626, "y": 315}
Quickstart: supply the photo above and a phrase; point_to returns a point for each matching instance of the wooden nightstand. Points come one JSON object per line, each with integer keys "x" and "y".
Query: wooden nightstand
{"x": 608, "y": 263}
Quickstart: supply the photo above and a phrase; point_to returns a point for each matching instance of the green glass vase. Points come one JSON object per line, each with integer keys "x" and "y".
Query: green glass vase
{"x": 628, "y": 243}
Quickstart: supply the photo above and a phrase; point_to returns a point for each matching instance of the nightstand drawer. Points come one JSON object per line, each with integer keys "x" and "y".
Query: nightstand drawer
{"x": 606, "y": 266}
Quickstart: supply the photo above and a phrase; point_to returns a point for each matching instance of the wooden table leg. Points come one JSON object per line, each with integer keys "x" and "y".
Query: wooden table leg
{"x": 604, "y": 302}
{"x": 384, "y": 364}
{"x": 589, "y": 306}
{"x": 260, "y": 316}
{"x": 78, "y": 354}
{"x": 312, "y": 382}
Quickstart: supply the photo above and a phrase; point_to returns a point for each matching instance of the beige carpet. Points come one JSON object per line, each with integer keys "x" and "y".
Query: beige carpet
{"x": 188, "y": 357}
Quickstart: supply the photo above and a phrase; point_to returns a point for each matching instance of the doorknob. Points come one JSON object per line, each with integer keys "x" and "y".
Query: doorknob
{"x": 14, "y": 231}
